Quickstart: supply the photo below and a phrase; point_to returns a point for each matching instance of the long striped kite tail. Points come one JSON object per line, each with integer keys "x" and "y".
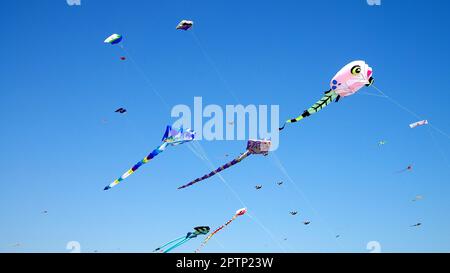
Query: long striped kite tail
{"x": 324, "y": 101}
{"x": 218, "y": 170}
{"x": 214, "y": 233}
{"x": 149, "y": 157}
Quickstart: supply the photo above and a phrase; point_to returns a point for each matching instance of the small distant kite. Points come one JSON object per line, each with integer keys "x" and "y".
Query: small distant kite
{"x": 123, "y": 58}
{"x": 171, "y": 137}
{"x": 113, "y": 39}
{"x": 258, "y": 187}
{"x": 417, "y": 225}
{"x": 337, "y": 236}
{"x": 409, "y": 168}
{"x": 121, "y": 110}
{"x": 418, "y": 123}
{"x": 236, "y": 215}
{"x": 293, "y": 212}
{"x": 306, "y": 223}
{"x": 202, "y": 230}
{"x": 45, "y": 212}
{"x": 382, "y": 142}
{"x": 346, "y": 82}
{"x": 280, "y": 183}
{"x": 185, "y": 25}
{"x": 253, "y": 147}
{"x": 417, "y": 198}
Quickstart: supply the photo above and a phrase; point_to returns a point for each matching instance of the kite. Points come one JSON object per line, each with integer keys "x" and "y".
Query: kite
{"x": 293, "y": 212}
{"x": 409, "y": 168}
{"x": 258, "y": 187}
{"x": 417, "y": 225}
{"x": 306, "y": 223}
{"x": 121, "y": 110}
{"x": 417, "y": 198}
{"x": 123, "y": 58}
{"x": 236, "y": 215}
{"x": 280, "y": 183}
{"x": 253, "y": 147}
{"x": 113, "y": 39}
{"x": 419, "y": 123}
{"x": 171, "y": 137}
{"x": 203, "y": 230}
{"x": 185, "y": 25}
{"x": 382, "y": 142}
{"x": 45, "y": 212}
{"x": 346, "y": 82}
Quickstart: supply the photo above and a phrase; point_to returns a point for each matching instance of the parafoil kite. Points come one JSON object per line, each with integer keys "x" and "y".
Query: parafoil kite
{"x": 171, "y": 137}
{"x": 185, "y": 25}
{"x": 202, "y": 230}
{"x": 113, "y": 39}
{"x": 280, "y": 183}
{"x": 306, "y": 223}
{"x": 418, "y": 123}
{"x": 236, "y": 215}
{"x": 253, "y": 147}
{"x": 258, "y": 187}
{"x": 293, "y": 212}
{"x": 417, "y": 225}
{"x": 346, "y": 82}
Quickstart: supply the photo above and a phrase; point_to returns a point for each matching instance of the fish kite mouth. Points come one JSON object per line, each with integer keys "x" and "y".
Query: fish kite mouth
{"x": 371, "y": 80}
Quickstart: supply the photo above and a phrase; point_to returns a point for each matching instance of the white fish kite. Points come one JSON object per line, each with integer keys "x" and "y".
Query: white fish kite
{"x": 171, "y": 137}
{"x": 419, "y": 123}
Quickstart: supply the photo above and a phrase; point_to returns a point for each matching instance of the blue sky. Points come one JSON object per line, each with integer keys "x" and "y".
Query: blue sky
{"x": 60, "y": 81}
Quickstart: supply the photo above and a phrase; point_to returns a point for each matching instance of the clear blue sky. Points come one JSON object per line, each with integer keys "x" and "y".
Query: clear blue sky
{"x": 59, "y": 81}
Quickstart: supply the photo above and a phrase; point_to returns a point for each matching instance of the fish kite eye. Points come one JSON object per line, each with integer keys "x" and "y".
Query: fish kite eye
{"x": 356, "y": 70}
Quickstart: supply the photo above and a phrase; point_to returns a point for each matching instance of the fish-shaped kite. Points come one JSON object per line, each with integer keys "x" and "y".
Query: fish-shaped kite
{"x": 346, "y": 82}
{"x": 202, "y": 230}
{"x": 253, "y": 147}
{"x": 171, "y": 137}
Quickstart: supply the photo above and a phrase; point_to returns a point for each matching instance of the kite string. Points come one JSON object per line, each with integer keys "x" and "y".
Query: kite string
{"x": 230, "y": 90}
{"x": 297, "y": 188}
{"x": 214, "y": 66}
{"x": 147, "y": 79}
{"x": 410, "y": 111}
{"x": 236, "y": 195}
{"x": 439, "y": 148}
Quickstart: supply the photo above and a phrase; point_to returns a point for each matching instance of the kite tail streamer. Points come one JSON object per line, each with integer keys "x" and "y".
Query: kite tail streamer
{"x": 171, "y": 242}
{"x": 214, "y": 232}
{"x": 221, "y": 168}
{"x": 149, "y": 157}
{"x": 324, "y": 101}
{"x": 177, "y": 245}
